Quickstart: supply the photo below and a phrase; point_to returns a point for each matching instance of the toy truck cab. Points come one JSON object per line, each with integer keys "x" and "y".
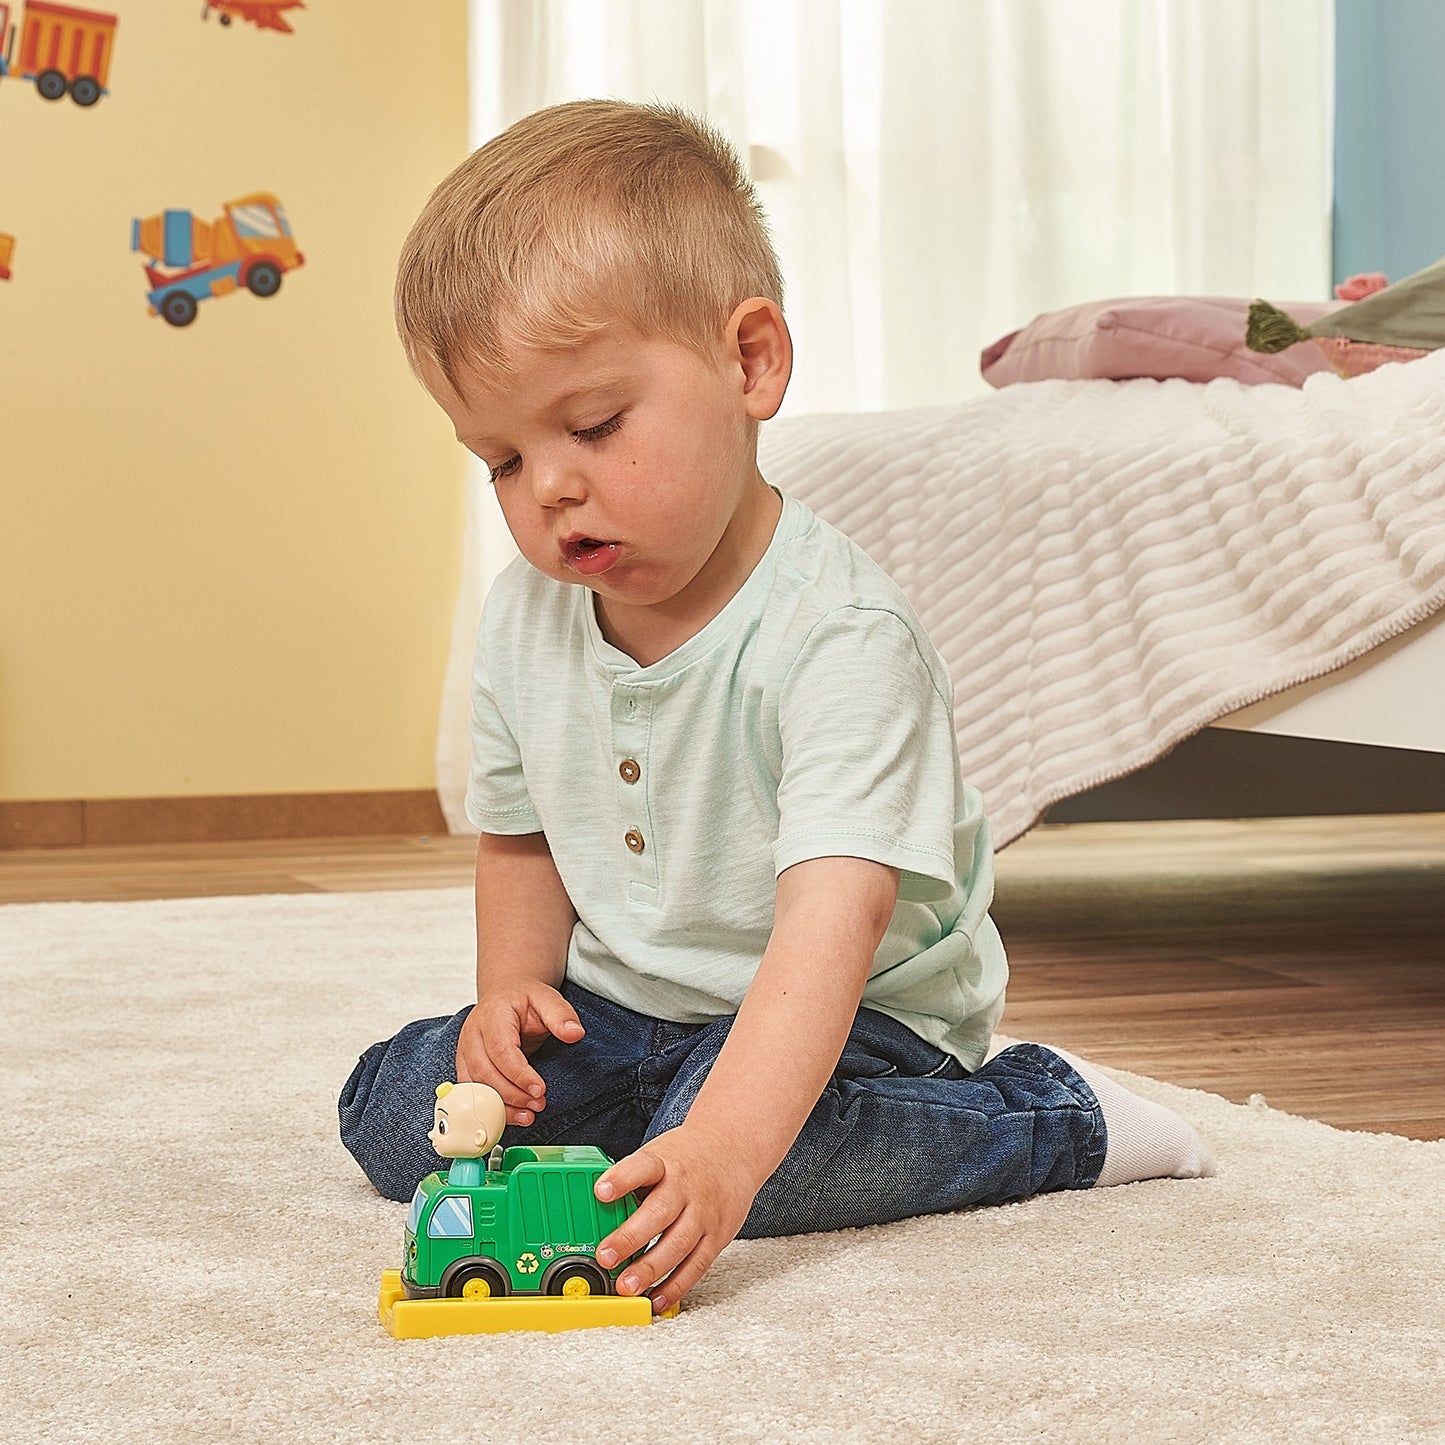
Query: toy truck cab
{"x": 261, "y": 228}
{"x": 529, "y": 1227}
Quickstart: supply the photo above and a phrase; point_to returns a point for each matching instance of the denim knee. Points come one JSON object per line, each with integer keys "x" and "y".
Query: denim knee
{"x": 386, "y": 1107}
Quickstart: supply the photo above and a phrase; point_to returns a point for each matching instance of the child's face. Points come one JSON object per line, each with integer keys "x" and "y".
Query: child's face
{"x": 627, "y": 464}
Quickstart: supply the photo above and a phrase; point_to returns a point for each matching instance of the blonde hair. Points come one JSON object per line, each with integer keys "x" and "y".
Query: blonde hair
{"x": 578, "y": 215}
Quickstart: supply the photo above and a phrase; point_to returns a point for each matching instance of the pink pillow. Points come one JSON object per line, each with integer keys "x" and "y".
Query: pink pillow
{"x": 1194, "y": 337}
{"x": 1354, "y": 358}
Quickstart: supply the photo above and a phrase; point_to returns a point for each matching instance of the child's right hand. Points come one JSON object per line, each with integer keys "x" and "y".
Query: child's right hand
{"x": 510, "y": 1021}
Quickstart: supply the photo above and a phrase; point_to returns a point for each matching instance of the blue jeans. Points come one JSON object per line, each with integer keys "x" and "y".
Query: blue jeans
{"x": 901, "y": 1128}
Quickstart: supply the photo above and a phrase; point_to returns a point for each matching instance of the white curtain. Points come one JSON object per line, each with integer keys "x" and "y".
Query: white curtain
{"x": 937, "y": 172}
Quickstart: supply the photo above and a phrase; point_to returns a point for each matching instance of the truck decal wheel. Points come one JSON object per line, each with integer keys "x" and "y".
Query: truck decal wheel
{"x": 179, "y": 308}
{"x": 263, "y": 279}
{"x": 51, "y": 84}
{"x": 85, "y": 90}
{"x": 575, "y": 1279}
{"x": 474, "y": 1279}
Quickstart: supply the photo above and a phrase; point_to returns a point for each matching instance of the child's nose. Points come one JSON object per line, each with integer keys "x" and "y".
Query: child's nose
{"x": 557, "y": 481}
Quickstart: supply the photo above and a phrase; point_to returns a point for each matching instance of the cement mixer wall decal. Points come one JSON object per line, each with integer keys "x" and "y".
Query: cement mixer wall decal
{"x": 249, "y": 247}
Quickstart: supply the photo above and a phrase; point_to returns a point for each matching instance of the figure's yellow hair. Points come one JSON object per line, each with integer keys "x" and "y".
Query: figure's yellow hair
{"x": 444, "y": 1089}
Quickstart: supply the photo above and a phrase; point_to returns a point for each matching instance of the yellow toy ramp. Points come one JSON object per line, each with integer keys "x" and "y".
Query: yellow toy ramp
{"x": 419, "y": 1319}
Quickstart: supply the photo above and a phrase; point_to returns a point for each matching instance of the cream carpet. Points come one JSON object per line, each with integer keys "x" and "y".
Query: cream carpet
{"x": 191, "y": 1256}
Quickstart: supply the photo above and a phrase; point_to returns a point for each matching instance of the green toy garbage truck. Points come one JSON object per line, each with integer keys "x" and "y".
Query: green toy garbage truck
{"x": 529, "y": 1224}
{"x": 506, "y": 1240}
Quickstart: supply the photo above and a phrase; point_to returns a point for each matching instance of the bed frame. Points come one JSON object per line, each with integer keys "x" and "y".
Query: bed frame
{"x": 1392, "y": 697}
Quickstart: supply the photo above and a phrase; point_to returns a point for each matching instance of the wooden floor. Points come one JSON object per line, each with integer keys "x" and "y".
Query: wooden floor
{"x": 1302, "y": 959}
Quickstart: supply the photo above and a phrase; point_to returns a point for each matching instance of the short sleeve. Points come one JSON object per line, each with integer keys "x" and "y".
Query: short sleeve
{"x": 497, "y": 797}
{"x": 869, "y": 757}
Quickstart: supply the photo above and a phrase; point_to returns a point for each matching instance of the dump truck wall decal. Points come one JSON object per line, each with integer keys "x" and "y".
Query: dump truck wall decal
{"x": 60, "y": 48}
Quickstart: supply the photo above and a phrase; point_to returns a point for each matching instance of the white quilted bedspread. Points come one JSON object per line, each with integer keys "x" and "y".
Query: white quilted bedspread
{"x": 1109, "y": 566}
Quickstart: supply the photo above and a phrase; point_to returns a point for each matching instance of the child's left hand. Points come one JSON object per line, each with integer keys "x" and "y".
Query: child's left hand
{"x": 698, "y": 1193}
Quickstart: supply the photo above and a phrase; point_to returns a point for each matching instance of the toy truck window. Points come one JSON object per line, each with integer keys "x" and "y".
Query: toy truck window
{"x": 255, "y": 221}
{"x": 413, "y": 1215}
{"x": 452, "y": 1218}
{"x": 281, "y": 217}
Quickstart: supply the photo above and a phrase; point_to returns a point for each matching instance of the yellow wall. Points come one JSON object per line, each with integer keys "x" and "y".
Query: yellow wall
{"x": 228, "y": 552}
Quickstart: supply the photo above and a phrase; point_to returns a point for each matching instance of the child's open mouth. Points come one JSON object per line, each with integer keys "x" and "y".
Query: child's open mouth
{"x": 589, "y": 556}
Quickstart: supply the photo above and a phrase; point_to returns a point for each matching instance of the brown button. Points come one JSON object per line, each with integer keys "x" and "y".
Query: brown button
{"x": 634, "y": 840}
{"x": 629, "y": 770}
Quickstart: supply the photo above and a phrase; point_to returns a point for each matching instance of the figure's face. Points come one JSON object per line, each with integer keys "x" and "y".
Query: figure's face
{"x": 625, "y": 464}
{"x": 468, "y": 1120}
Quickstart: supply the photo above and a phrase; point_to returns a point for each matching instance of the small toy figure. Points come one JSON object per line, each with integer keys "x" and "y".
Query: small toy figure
{"x": 469, "y": 1122}
{"x": 505, "y": 1240}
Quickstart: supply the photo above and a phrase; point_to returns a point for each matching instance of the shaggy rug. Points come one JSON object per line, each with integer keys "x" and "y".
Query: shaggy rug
{"x": 193, "y": 1257}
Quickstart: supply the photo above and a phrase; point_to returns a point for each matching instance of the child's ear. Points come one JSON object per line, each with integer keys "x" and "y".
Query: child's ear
{"x": 758, "y": 337}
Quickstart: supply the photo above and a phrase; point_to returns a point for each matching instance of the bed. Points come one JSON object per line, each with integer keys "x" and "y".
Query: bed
{"x": 1110, "y": 566}
{"x": 1393, "y": 697}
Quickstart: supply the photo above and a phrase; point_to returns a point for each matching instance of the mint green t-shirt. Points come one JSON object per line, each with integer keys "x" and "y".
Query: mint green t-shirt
{"x": 810, "y": 718}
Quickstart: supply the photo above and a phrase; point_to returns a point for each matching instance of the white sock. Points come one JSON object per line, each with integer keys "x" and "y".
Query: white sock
{"x": 1146, "y": 1140}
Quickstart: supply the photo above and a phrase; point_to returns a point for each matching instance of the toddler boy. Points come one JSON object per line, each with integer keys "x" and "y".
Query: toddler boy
{"x": 732, "y": 891}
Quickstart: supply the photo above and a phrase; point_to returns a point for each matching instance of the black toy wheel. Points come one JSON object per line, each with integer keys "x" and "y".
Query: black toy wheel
{"x": 263, "y": 279}
{"x": 85, "y": 90}
{"x": 477, "y": 1281}
{"x": 576, "y": 1279}
{"x": 179, "y": 308}
{"x": 51, "y": 84}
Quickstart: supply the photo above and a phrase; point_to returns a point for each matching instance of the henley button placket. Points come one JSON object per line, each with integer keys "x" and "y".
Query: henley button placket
{"x": 631, "y": 717}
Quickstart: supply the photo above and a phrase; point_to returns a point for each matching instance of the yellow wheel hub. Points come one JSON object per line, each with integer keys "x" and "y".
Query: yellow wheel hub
{"x": 476, "y": 1289}
{"x": 576, "y": 1288}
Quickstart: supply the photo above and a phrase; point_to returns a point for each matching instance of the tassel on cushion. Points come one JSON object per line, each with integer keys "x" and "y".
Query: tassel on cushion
{"x": 1270, "y": 330}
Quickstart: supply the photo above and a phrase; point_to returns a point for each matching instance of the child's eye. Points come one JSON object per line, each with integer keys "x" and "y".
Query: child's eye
{"x": 503, "y": 469}
{"x": 602, "y": 429}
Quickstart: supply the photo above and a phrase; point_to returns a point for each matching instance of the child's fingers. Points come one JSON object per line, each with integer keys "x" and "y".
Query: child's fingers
{"x": 505, "y": 1052}
{"x": 476, "y": 1064}
{"x": 652, "y": 1217}
{"x": 521, "y": 1107}
{"x": 683, "y": 1277}
{"x": 681, "y": 1250}
{"x": 559, "y": 1017}
{"x": 640, "y": 1170}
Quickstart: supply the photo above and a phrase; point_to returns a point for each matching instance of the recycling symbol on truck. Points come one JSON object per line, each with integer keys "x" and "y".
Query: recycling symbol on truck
{"x": 527, "y": 1264}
